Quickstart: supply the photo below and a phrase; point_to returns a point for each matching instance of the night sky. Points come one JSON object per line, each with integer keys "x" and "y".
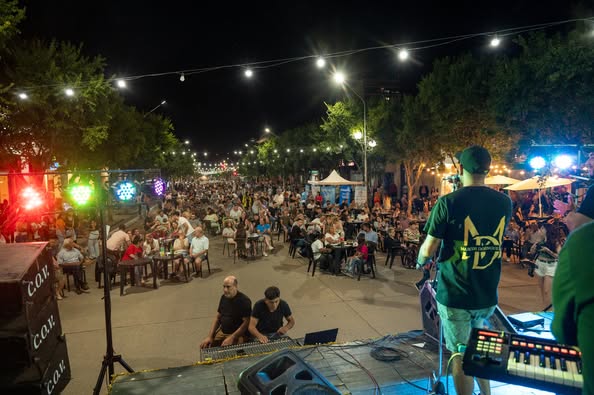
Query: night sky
{"x": 220, "y": 110}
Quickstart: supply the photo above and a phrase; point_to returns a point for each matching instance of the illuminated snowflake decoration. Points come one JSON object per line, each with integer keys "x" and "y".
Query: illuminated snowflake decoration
{"x": 126, "y": 191}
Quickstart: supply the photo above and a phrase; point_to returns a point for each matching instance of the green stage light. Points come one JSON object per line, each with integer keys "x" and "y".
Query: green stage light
{"x": 81, "y": 194}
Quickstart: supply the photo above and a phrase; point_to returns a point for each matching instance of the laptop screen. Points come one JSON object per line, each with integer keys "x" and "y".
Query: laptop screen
{"x": 321, "y": 337}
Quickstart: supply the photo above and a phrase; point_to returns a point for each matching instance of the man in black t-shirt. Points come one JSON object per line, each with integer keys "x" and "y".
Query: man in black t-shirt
{"x": 268, "y": 314}
{"x": 469, "y": 225}
{"x": 232, "y": 319}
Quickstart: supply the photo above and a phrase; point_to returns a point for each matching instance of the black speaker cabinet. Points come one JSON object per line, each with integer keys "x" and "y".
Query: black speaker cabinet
{"x": 36, "y": 343}
{"x": 42, "y": 378}
{"x": 429, "y": 314}
{"x": 26, "y": 283}
{"x": 281, "y": 373}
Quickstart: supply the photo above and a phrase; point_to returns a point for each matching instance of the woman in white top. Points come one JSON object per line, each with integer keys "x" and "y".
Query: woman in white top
{"x": 331, "y": 236}
{"x": 229, "y": 232}
{"x": 180, "y": 247}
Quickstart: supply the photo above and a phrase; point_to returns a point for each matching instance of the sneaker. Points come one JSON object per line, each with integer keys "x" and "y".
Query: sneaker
{"x": 264, "y": 253}
{"x": 270, "y": 248}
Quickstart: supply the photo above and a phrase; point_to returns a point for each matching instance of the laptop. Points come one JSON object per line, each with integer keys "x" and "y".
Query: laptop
{"x": 321, "y": 337}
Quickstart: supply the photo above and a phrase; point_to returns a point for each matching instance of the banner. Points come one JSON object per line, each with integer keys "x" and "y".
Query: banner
{"x": 360, "y": 195}
{"x": 345, "y": 194}
{"x": 328, "y": 193}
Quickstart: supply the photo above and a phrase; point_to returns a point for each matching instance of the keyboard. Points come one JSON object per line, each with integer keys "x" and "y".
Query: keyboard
{"x": 524, "y": 360}
{"x": 244, "y": 349}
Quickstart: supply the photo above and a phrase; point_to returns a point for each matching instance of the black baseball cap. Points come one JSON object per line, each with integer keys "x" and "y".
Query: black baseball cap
{"x": 475, "y": 160}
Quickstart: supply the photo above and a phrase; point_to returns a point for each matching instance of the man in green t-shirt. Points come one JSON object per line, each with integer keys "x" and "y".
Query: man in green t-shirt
{"x": 573, "y": 292}
{"x": 469, "y": 225}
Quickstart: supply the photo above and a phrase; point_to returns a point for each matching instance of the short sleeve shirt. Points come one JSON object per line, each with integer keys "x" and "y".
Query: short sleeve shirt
{"x": 199, "y": 244}
{"x": 233, "y": 310}
{"x": 270, "y": 322}
{"x": 471, "y": 223}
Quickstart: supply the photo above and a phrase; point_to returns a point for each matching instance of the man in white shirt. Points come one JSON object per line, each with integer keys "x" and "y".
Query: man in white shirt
{"x": 119, "y": 240}
{"x": 198, "y": 248}
{"x": 279, "y": 198}
{"x": 235, "y": 212}
{"x": 183, "y": 225}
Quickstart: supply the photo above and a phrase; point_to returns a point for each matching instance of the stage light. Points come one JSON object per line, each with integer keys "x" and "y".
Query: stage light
{"x": 563, "y": 161}
{"x": 125, "y": 191}
{"x": 537, "y": 163}
{"x": 159, "y": 187}
{"x": 80, "y": 193}
{"x": 31, "y": 198}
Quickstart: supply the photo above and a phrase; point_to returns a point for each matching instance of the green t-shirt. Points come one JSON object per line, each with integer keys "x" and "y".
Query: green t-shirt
{"x": 573, "y": 298}
{"x": 471, "y": 222}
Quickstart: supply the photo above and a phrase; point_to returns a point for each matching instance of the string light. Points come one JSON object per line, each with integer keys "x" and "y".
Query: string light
{"x": 69, "y": 92}
{"x": 121, "y": 83}
{"x": 23, "y": 96}
{"x": 320, "y": 63}
{"x": 495, "y": 41}
{"x": 412, "y": 45}
{"x": 403, "y": 54}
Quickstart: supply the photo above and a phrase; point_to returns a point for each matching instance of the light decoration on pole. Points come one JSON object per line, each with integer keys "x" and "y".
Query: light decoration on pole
{"x": 125, "y": 191}
{"x": 81, "y": 194}
{"x": 32, "y": 198}
{"x": 159, "y": 187}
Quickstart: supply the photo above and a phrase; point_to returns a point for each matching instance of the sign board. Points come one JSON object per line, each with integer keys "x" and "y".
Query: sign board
{"x": 345, "y": 194}
{"x": 328, "y": 193}
{"x": 360, "y": 195}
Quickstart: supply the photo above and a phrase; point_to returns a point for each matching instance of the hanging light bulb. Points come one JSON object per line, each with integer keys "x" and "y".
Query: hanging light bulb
{"x": 403, "y": 54}
{"x": 248, "y": 73}
{"x": 23, "y": 96}
{"x": 320, "y": 62}
{"x": 121, "y": 83}
{"x": 182, "y": 77}
{"x": 495, "y": 41}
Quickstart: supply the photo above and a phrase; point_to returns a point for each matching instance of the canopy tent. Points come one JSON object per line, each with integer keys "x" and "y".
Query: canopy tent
{"x": 500, "y": 180}
{"x": 334, "y": 179}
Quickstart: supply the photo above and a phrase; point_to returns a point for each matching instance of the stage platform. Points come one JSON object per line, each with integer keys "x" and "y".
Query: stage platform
{"x": 350, "y": 367}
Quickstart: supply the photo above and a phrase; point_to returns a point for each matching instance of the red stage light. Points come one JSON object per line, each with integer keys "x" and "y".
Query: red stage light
{"x": 31, "y": 198}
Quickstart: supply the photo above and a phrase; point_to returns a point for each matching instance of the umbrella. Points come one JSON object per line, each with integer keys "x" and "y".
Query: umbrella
{"x": 500, "y": 180}
{"x": 539, "y": 182}
{"x": 533, "y": 183}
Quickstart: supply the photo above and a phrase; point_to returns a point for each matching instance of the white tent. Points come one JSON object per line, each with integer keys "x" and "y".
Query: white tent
{"x": 334, "y": 179}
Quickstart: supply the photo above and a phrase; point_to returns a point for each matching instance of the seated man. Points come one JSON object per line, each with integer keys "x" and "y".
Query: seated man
{"x": 267, "y": 316}
{"x": 68, "y": 257}
{"x": 232, "y": 319}
{"x": 320, "y": 253}
{"x": 213, "y": 219}
{"x": 198, "y": 248}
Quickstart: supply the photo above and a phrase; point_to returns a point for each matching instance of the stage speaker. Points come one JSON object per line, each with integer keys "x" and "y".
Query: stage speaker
{"x": 283, "y": 372}
{"x": 429, "y": 315}
{"x": 498, "y": 321}
{"x": 31, "y": 336}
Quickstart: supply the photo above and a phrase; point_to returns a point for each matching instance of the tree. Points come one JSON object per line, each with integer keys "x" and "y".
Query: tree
{"x": 545, "y": 94}
{"x": 456, "y": 97}
{"x": 10, "y": 16}
{"x": 415, "y": 143}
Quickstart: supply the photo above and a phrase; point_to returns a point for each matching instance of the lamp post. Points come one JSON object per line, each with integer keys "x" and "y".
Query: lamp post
{"x": 157, "y": 106}
{"x": 340, "y": 79}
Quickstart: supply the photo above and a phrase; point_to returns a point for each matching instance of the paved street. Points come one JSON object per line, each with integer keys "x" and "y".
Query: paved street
{"x": 162, "y": 328}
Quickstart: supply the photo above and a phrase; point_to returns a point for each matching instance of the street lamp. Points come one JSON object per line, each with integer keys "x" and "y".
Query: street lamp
{"x": 157, "y": 106}
{"x": 340, "y": 79}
